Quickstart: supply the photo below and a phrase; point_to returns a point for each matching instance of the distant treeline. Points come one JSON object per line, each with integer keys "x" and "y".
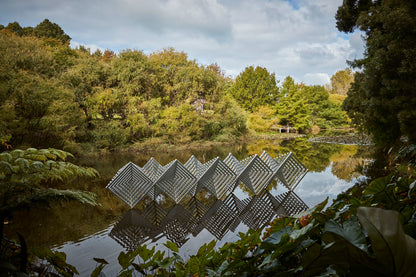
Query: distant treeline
{"x": 53, "y": 95}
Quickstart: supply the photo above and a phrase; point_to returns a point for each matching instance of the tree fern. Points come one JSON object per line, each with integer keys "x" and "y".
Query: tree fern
{"x": 24, "y": 173}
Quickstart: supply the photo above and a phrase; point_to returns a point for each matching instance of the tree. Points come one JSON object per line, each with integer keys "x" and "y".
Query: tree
{"x": 30, "y": 92}
{"x": 324, "y": 112}
{"x": 14, "y": 27}
{"x": 51, "y": 30}
{"x": 255, "y": 87}
{"x": 293, "y": 107}
{"x": 382, "y": 99}
{"x": 341, "y": 81}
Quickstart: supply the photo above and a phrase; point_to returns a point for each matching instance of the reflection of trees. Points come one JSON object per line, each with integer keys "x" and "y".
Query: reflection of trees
{"x": 259, "y": 145}
{"x": 351, "y": 158}
{"x": 315, "y": 156}
{"x": 347, "y": 169}
{"x": 177, "y": 222}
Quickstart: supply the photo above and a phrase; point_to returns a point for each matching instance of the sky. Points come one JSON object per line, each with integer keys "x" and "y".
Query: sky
{"x": 296, "y": 38}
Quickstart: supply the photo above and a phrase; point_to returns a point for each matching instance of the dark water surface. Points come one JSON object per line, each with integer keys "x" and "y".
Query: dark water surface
{"x": 84, "y": 232}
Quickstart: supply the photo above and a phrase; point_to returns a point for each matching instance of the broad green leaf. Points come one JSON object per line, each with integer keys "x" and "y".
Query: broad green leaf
{"x": 377, "y": 185}
{"x": 158, "y": 256}
{"x": 316, "y": 209}
{"x": 31, "y": 151}
{"x": 22, "y": 163}
{"x": 349, "y": 230}
{"x": 36, "y": 166}
{"x": 340, "y": 253}
{"x": 179, "y": 259}
{"x": 212, "y": 273}
{"x": 302, "y": 231}
{"x": 392, "y": 247}
{"x": 172, "y": 246}
{"x": 276, "y": 237}
{"x": 311, "y": 254}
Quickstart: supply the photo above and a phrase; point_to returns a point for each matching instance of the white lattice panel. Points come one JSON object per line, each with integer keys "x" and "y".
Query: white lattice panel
{"x": 175, "y": 180}
{"x": 130, "y": 184}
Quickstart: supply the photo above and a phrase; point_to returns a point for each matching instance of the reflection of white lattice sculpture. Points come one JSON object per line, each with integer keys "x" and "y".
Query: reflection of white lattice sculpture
{"x": 291, "y": 171}
{"x": 287, "y": 168}
{"x": 252, "y": 172}
{"x": 176, "y": 181}
{"x": 130, "y": 184}
{"x": 221, "y": 217}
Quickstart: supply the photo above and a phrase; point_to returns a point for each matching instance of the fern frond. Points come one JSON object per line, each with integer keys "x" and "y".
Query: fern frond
{"x": 60, "y": 153}
{"x": 36, "y": 167}
{"x": 48, "y": 154}
{"x": 50, "y": 195}
{"x": 22, "y": 163}
{"x": 6, "y": 157}
{"x": 31, "y": 151}
{"x": 44, "y": 197}
{"x": 36, "y": 157}
{"x": 23, "y": 173}
{"x": 18, "y": 153}
{"x": 5, "y": 168}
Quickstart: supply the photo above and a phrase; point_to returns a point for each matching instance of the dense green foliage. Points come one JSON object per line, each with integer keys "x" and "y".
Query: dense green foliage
{"x": 341, "y": 81}
{"x": 305, "y": 106}
{"x": 52, "y": 95}
{"x": 45, "y": 29}
{"x": 255, "y": 87}
{"x": 382, "y": 99}
{"x": 296, "y": 105}
{"x": 368, "y": 231}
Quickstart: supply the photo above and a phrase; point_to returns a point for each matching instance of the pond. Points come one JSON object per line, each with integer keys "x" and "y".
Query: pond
{"x": 84, "y": 232}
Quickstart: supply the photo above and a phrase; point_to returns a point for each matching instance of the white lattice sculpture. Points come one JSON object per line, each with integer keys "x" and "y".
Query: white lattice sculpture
{"x": 214, "y": 175}
{"x": 176, "y": 180}
{"x": 130, "y": 184}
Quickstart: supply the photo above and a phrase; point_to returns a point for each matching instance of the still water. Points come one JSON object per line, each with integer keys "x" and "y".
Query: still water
{"x": 103, "y": 232}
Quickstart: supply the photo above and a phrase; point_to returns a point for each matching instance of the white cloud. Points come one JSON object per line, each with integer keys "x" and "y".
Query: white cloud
{"x": 316, "y": 78}
{"x": 296, "y": 37}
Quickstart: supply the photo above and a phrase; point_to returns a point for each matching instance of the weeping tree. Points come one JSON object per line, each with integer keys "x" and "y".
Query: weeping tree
{"x": 27, "y": 179}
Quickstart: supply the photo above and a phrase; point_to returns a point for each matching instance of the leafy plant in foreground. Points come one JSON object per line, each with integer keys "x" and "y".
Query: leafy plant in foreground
{"x": 27, "y": 179}
{"x": 366, "y": 231}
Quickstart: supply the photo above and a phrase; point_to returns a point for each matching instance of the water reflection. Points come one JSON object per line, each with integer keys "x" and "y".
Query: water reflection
{"x": 82, "y": 231}
{"x": 178, "y": 221}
